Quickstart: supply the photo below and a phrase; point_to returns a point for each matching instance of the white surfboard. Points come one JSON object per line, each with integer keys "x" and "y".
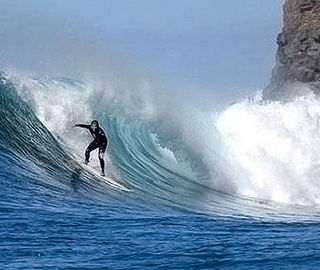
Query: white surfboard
{"x": 105, "y": 179}
{"x": 96, "y": 172}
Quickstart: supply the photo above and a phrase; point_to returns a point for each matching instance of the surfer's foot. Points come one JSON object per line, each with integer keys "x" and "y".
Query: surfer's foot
{"x": 102, "y": 174}
{"x": 86, "y": 162}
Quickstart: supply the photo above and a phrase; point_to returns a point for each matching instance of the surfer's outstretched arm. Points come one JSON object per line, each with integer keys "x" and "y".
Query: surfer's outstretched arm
{"x": 83, "y": 126}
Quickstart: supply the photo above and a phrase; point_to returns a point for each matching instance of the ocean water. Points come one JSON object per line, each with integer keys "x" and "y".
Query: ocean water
{"x": 231, "y": 189}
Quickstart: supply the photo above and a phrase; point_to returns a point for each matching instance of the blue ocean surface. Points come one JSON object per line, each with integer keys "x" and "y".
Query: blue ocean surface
{"x": 174, "y": 214}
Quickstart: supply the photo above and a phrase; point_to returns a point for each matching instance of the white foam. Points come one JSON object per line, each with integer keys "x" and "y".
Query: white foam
{"x": 272, "y": 151}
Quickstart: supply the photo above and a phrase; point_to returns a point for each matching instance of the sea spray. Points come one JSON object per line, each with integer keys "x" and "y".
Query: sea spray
{"x": 272, "y": 150}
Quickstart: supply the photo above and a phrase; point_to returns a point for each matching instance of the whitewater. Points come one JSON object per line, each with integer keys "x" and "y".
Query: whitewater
{"x": 244, "y": 174}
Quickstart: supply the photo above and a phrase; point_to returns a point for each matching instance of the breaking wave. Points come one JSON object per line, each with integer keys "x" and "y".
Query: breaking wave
{"x": 247, "y": 156}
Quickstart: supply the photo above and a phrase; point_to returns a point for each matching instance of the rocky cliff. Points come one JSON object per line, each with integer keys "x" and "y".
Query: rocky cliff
{"x": 298, "y": 55}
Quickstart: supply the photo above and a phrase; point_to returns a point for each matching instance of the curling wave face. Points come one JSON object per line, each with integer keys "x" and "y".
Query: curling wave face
{"x": 244, "y": 159}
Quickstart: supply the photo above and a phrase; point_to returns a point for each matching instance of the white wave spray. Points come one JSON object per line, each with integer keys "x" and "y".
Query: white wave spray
{"x": 272, "y": 151}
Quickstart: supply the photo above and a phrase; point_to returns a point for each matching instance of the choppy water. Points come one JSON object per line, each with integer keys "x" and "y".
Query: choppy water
{"x": 237, "y": 189}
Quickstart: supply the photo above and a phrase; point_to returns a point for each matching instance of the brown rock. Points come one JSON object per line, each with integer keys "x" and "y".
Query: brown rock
{"x": 298, "y": 55}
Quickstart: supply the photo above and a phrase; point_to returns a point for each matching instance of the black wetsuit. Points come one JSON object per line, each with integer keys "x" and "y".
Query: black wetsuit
{"x": 100, "y": 141}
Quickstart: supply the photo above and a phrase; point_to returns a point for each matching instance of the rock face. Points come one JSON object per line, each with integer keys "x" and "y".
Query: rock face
{"x": 298, "y": 56}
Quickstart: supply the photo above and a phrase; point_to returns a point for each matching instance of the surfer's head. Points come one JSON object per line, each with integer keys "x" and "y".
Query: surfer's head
{"x": 94, "y": 125}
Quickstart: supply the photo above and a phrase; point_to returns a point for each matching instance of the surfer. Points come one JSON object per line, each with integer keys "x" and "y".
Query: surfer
{"x": 100, "y": 141}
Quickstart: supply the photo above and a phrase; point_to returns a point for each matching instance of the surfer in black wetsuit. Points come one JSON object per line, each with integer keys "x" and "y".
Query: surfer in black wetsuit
{"x": 100, "y": 141}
